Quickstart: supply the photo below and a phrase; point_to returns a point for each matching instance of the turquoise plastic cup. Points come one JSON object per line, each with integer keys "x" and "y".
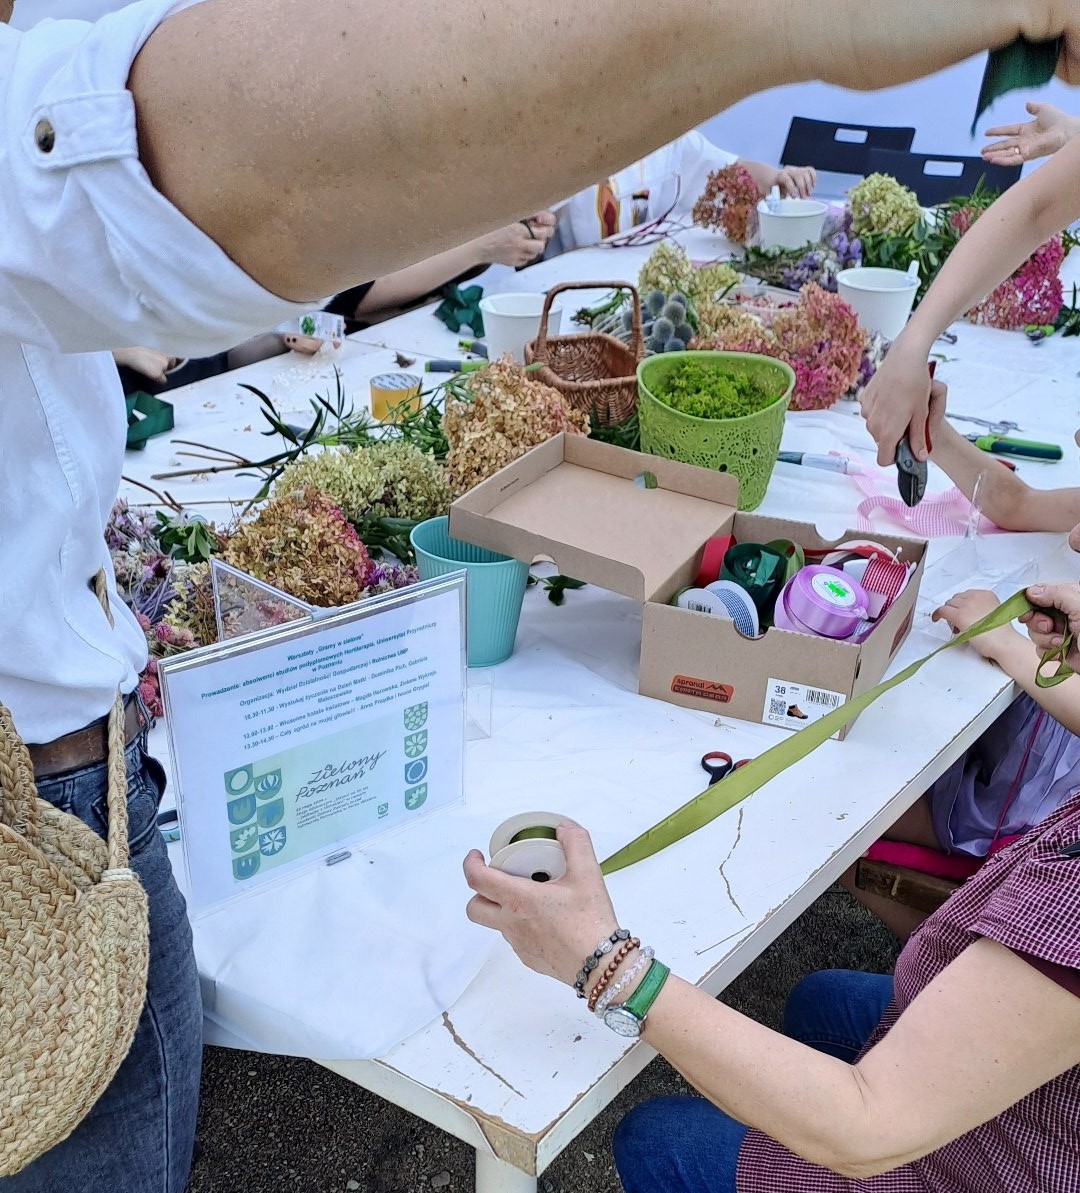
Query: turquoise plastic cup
{"x": 494, "y": 586}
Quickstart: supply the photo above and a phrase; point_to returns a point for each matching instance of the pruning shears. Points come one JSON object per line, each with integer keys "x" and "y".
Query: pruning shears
{"x": 911, "y": 474}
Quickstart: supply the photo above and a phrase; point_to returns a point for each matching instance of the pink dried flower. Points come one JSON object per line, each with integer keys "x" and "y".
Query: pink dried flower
{"x": 729, "y": 202}
{"x": 819, "y": 336}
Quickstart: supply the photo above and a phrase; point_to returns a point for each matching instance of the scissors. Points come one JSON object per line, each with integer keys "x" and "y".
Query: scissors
{"x": 718, "y": 765}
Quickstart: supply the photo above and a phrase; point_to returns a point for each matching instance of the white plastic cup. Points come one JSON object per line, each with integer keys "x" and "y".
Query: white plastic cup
{"x": 790, "y": 223}
{"x": 512, "y": 320}
{"x": 882, "y": 298}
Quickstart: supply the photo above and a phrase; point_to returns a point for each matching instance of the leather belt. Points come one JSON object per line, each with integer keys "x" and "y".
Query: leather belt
{"x": 84, "y": 747}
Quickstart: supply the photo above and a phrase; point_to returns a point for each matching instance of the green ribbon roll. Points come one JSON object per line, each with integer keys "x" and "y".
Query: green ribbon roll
{"x": 759, "y": 570}
{"x": 147, "y": 416}
{"x": 747, "y": 779}
{"x": 539, "y": 833}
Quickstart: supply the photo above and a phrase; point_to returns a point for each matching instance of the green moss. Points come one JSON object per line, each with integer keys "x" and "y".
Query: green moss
{"x": 713, "y": 392}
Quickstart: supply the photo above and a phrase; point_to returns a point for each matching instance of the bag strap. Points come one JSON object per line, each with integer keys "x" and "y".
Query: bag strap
{"x": 117, "y": 769}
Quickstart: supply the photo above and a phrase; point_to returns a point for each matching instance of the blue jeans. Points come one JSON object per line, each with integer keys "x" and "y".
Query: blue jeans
{"x": 686, "y": 1145}
{"x": 139, "y": 1137}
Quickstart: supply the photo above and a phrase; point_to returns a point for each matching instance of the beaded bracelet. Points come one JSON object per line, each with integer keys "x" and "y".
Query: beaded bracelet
{"x": 593, "y": 959}
{"x": 613, "y": 992}
{"x": 624, "y": 950}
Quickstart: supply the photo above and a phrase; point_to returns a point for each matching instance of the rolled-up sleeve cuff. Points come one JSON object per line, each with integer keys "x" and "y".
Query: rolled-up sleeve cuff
{"x": 96, "y": 256}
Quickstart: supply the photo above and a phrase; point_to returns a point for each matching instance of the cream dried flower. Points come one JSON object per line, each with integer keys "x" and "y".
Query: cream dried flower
{"x": 496, "y": 415}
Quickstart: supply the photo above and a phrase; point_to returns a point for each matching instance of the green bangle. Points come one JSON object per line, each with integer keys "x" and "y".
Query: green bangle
{"x": 640, "y": 1002}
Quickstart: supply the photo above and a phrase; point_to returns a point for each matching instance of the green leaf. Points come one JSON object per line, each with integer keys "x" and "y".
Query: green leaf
{"x": 1024, "y": 64}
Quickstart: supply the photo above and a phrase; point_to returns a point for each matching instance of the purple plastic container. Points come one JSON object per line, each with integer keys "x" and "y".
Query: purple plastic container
{"x": 821, "y": 600}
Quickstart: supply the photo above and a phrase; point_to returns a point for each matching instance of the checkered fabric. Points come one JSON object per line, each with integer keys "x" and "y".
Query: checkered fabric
{"x": 1027, "y": 898}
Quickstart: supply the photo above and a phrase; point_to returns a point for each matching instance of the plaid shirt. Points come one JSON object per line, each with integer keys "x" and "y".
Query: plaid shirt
{"x": 1027, "y": 898}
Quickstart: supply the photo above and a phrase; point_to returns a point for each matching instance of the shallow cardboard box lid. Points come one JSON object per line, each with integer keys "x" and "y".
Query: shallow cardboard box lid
{"x": 576, "y": 501}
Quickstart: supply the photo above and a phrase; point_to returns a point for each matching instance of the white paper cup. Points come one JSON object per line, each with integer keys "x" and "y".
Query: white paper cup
{"x": 512, "y": 320}
{"x": 790, "y": 223}
{"x": 882, "y": 298}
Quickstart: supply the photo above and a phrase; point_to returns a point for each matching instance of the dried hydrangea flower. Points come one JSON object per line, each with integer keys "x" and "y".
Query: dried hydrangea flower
{"x": 496, "y": 415}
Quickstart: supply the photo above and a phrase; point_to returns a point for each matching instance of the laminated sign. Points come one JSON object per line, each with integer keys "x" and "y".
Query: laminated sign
{"x": 290, "y": 744}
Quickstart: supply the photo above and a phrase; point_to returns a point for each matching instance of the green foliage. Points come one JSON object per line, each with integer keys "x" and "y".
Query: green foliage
{"x": 626, "y": 434}
{"x": 712, "y": 392}
{"x": 188, "y": 539}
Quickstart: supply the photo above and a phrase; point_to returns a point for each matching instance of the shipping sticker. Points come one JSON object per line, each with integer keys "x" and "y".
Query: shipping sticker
{"x": 793, "y": 705}
{"x": 703, "y": 689}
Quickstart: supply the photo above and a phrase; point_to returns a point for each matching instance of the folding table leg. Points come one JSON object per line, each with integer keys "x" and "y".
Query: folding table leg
{"x": 495, "y": 1176}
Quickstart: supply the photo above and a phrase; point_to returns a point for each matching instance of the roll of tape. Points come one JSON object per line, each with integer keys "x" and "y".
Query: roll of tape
{"x": 513, "y": 830}
{"x": 542, "y": 861}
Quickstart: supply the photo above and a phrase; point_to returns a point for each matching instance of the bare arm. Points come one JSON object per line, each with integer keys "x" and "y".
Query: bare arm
{"x": 988, "y": 1031}
{"x": 1000, "y": 241}
{"x": 514, "y": 245}
{"x": 319, "y": 154}
{"x": 1005, "y": 499}
{"x": 793, "y": 181}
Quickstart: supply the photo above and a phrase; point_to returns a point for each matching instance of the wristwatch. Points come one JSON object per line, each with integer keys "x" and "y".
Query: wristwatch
{"x": 628, "y": 1019}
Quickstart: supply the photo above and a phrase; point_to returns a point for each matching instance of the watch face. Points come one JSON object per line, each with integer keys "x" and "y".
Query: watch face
{"x": 622, "y": 1022}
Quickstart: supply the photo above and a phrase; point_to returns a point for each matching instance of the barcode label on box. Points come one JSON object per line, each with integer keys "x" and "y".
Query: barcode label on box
{"x": 793, "y": 705}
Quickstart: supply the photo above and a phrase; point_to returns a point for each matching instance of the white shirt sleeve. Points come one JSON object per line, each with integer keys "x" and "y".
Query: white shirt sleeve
{"x": 92, "y": 256}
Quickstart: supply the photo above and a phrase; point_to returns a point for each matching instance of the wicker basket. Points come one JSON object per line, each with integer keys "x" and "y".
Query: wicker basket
{"x": 593, "y": 371}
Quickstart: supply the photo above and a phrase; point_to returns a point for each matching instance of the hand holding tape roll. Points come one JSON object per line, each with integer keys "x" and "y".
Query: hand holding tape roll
{"x": 526, "y": 846}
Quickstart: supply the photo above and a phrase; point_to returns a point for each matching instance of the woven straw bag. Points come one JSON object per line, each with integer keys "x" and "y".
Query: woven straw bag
{"x": 74, "y": 948}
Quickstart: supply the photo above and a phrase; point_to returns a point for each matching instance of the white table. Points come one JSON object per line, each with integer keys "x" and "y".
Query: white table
{"x": 514, "y": 1067}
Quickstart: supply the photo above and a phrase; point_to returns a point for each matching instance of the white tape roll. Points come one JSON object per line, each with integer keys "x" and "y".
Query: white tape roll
{"x": 541, "y": 861}
{"x": 521, "y": 823}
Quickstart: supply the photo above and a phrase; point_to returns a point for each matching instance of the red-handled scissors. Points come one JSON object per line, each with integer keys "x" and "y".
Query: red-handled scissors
{"x": 718, "y": 765}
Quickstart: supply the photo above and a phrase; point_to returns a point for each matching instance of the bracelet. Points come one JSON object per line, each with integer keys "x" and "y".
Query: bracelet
{"x": 613, "y": 992}
{"x": 624, "y": 950}
{"x": 593, "y": 959}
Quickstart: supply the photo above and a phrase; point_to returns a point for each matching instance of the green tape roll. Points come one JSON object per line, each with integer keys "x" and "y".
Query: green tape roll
{"x": 538, "y": 833}
{"x": 719, "y": 798}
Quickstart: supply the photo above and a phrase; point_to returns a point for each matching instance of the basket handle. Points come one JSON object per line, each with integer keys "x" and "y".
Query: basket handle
{"x": 18, "y": 795}
{"x": 637, "y": 339}
{"x": 18, "y": 791}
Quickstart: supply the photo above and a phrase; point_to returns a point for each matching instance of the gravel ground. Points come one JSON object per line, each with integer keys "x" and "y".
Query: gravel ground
{"x": 276, "y": 1125}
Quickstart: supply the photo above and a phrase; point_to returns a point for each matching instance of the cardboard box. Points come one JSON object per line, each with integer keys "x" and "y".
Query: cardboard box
{"x": 580, "y": 503}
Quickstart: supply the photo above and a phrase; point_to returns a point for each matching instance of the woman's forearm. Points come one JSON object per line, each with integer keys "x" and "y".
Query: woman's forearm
{"x": 318, "y": 153}
{"x": 416, "y": 281}
{"x": 813, "y": 1104}
{"x": 999, "y": 242}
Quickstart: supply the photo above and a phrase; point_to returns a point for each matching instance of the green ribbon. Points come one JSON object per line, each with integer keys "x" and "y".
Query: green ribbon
{"x": 732, "y": 790}
{"x": 147, "y": 416}
{"x": 461, "y": 308}
{"x": 1024, "y": 64}
{"x": 759, "y": 570}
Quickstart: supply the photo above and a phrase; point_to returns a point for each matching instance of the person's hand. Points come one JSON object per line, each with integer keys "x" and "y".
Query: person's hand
{"x": 148, "y": 361}
{"x": 1046, "y": 134}
{"x": 962, "y": 611}
{"x": 517, "y": 244}
{"x": 552, "y": 926}
{"x": 795, "y": 182}
{"x": 900, "y": 400}
{"x": 1046, "y": 631}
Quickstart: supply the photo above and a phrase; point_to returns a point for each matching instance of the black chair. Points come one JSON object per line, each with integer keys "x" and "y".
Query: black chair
{"x": 839, "y": 147}
{"x": 937, "y": 185}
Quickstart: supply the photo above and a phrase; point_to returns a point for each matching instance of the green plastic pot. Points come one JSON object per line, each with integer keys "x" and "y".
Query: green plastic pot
{"x": 745, "y": 446}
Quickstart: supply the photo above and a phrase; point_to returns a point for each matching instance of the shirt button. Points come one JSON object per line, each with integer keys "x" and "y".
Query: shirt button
{"x": 44, "y": 136}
